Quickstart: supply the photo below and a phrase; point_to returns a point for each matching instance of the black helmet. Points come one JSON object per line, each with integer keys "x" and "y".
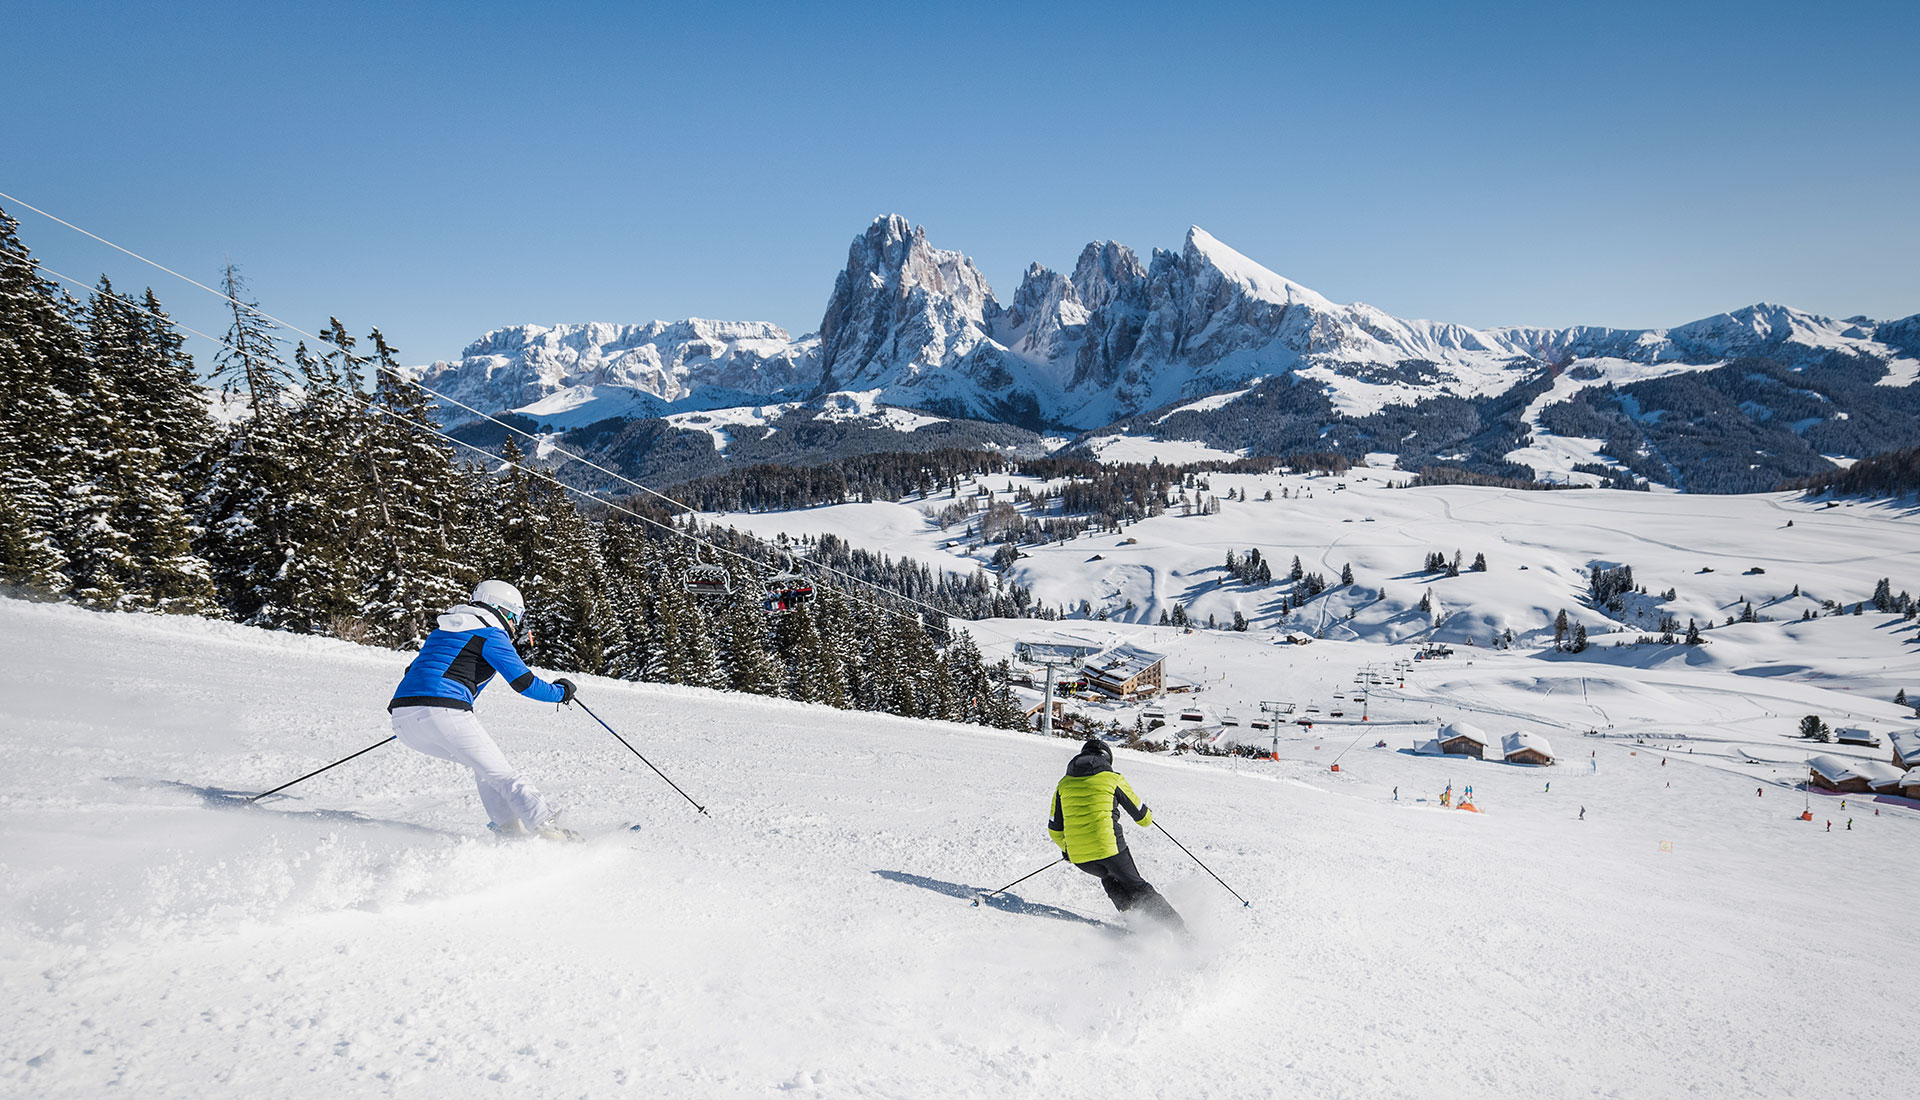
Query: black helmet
{"x": 1096, "y": 747}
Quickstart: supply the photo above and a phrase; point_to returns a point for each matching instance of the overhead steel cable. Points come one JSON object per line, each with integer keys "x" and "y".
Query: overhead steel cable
{"x": 488, "y": 456}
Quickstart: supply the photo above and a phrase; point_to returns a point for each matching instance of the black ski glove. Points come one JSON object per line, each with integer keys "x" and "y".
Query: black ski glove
{"x": 566, "y": 690}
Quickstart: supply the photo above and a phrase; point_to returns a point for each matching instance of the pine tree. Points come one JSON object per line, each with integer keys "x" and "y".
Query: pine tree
{"x": 161, "y": 422}
{"x": 1560, "y": 627}
{"x": 1693, "y": 633}
{"x": 249, "y": 362}
{"x": 39, "y": 340}
{"x": 414, "y": 571}
{"x": 1346, "y": 573}
{"x": 1479, "y": 563}
{"x": 1296, "y": 571}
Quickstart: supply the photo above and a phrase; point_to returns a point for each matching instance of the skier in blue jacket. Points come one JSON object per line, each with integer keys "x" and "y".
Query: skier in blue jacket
{"x": 432, "y": 709}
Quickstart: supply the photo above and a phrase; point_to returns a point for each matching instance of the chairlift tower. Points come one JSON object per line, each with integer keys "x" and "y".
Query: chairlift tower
{"x": 1050, "y": 655}
{"x": 1275, "y": 712}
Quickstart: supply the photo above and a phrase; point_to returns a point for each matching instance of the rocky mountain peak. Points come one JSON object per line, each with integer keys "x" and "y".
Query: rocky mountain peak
{"x": 1104, "y": 268}
{"x": 900, "y": 302}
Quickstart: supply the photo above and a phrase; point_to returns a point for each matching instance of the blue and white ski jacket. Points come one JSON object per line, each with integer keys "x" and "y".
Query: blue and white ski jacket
{"x": 458, "y": 659}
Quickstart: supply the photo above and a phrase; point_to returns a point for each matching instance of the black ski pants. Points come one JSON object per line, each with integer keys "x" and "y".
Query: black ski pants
{"x": 1121, "y": 880}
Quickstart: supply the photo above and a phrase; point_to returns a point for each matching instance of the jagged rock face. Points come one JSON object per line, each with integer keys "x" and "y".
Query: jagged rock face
{"x": 1046, "y": 317}
{"x": 513, "y": 367}
{"x": 1103, "y": 269}
{"x": 902, "y": 307}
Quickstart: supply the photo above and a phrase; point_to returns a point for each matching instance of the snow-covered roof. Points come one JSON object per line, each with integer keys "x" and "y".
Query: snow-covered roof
{"x": 1878, "y": 773}
{"x": 1520, "y": 740}
{"x": 1463, "y": 729}
{"x": 1122, "y": 662}
{"x": 1430, "y": 748}
{"x": 1906, "y": 744}
{"x": 1834, "y": 768}
{"x": 1854, "y": 735}
{"x": 1910, "y": 784}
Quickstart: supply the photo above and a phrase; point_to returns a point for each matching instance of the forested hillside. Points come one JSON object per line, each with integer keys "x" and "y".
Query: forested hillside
{"x": 328, "y": 504}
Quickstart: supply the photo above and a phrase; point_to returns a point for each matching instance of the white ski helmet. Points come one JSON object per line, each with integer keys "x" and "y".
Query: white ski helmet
{"x": 504, "y": 598}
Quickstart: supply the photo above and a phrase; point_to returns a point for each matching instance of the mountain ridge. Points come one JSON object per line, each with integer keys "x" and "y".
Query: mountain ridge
{"x": 913, "y": 326}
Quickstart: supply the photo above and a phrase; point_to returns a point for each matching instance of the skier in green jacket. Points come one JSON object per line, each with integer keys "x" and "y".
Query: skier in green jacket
{"x": 1086, "y": 826}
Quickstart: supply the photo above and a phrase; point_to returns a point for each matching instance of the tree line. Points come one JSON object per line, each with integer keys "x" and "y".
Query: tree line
{"x": 322, "y": 501}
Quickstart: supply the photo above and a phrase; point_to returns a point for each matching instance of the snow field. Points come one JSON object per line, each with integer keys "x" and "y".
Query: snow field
{"x": 814, "y": 936}
{"x": 1540, "y": 549}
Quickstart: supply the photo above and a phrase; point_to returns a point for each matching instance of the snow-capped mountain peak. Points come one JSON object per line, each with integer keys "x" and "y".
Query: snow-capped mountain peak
{"x": 1203, "y": 248}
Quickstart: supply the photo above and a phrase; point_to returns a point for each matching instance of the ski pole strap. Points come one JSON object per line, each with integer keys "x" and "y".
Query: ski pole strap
{"x": 643, "y": 760}
{"x": 317, "y": 771}
{"x": 1203, "y": 867}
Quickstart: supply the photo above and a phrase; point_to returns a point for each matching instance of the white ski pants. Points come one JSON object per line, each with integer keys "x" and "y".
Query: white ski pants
{"x": 458, "y": 736}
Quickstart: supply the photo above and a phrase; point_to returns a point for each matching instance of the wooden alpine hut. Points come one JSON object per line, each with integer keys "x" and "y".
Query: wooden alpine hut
{"x": 1835, "y": 773}
{"x": 1526, "y": 747}
{"x": 1463, "y": 739}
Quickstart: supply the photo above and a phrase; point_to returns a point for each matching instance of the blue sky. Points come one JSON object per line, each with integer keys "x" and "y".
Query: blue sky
{"x": 441, "y": 169}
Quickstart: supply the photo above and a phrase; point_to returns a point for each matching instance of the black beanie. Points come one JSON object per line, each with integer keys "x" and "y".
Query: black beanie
{"x": 1096, "y": 746}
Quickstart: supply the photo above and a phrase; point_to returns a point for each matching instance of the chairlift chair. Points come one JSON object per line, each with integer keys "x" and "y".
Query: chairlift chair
{"x": 704, "y": 579}
{"x": 787, "y": 590}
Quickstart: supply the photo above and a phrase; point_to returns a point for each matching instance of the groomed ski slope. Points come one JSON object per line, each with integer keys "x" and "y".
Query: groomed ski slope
{"x": 364, "y": 938}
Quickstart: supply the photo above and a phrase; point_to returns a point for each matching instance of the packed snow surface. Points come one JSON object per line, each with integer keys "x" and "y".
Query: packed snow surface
{"x": 362, "y": 936}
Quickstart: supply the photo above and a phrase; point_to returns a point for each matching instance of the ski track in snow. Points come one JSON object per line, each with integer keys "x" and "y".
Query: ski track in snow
{"x": 360, "y": 937}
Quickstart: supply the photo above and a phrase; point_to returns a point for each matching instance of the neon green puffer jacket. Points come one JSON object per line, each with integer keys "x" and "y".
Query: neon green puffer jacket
{"x": 1086, "y": 809}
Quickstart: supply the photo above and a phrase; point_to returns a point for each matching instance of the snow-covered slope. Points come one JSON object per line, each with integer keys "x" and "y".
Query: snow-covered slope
{"x": 358, "y": 937}
{"x": 1716, "y": 553}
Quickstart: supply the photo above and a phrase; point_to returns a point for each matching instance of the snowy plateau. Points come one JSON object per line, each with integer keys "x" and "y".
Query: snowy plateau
{"x": 1648, "y": 916}
{"x": 1122, "y": 344}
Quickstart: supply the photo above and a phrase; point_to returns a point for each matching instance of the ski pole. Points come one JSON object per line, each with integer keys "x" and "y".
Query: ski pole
{"x": 643, "y": 760}
{"x": 317, "y": 771}
{"x": 1203, "y": 867}
{"x": 1016, "y": 882}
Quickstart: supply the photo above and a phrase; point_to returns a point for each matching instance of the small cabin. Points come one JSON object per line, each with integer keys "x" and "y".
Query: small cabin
{"x": 1834, "y": 773}
{"x": 1462, "y": 739}
{"x": 1854, "y": 735}
{"x": 1526, "y": 747}
{"x": 1906, "y": 748}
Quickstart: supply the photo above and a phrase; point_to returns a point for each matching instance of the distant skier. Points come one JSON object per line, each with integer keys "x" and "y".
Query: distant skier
{"x": 1086, "y": 826}
{"x": 1583, "y": 813}
{"x": 432, "y": 708}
